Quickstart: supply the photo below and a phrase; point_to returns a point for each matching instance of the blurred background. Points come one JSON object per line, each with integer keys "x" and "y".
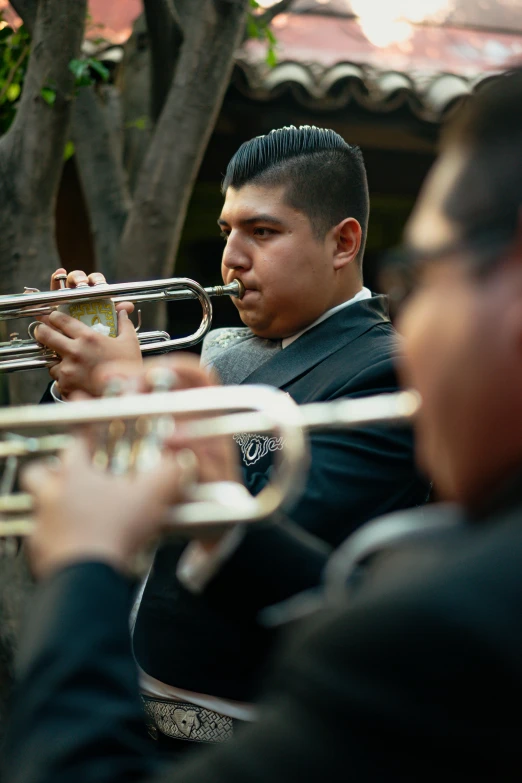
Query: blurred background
{"x": 385, "y": 74}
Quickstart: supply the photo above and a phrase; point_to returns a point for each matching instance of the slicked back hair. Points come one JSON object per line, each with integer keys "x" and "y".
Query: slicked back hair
{"x": 324, "y": 176}
{"x": 487, "y": 196}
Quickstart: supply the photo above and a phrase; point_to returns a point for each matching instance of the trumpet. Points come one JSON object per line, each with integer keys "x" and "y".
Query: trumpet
{"x": 27, "y": 354}
{"x": 138, "y": 424}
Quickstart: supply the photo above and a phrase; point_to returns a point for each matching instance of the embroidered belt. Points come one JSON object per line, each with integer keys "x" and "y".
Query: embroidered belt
{"x": 186, "y": 721}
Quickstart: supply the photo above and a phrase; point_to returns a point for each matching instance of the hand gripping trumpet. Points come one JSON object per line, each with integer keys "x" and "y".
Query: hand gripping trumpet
{"x": 133, "y": 426}
{"x": 90, "y": 303}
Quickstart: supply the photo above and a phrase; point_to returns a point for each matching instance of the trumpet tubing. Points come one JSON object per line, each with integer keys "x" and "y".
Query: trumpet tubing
{"x": 18, "y": 354}
{"x": 212, "y": 412}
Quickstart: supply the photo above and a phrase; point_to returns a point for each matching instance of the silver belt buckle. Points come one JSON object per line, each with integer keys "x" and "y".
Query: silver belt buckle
{"x": 184, "y": 721}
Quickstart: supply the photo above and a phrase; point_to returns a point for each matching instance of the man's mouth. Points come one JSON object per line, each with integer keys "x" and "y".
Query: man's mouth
{"x": 248, "y": 290}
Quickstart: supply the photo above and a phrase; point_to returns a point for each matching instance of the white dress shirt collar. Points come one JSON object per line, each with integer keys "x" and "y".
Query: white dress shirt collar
{"x": 364, "y": 293}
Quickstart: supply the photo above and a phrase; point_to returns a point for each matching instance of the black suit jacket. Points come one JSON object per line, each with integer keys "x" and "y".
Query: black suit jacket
{"x": 354, "y": 476}
{"x": 419, "y": 678}
{"x": 207, "y": 644}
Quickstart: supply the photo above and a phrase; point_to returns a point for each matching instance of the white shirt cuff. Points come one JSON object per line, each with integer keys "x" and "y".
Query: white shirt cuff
{"x": 55, "y": 394}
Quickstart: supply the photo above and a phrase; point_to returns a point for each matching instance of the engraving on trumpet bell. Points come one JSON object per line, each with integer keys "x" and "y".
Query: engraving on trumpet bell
{"x": 99, "y": 314}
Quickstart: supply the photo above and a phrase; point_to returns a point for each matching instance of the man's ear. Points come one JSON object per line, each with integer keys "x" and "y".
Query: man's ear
{"x": 348, "y": 238}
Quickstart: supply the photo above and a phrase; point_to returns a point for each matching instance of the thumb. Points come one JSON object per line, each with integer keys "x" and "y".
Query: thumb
{"x": 36, "y": 477}
{"x": 126, "y": 328}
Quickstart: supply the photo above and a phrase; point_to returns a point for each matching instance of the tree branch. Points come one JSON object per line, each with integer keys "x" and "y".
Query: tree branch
{"x": 279, "y": 8}
{"x": 133, "y": 81}
{"x": 165, "y": 40}
{"x": 31, "y": 152}
{"x": 57, "y": 40}
{"x": 26, "y": 10}
{"x": 213, "y": 31}
{"x": 99, "y": 156}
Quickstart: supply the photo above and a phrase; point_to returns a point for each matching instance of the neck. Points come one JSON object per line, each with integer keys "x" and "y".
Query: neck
{"x": 345, "y": 293}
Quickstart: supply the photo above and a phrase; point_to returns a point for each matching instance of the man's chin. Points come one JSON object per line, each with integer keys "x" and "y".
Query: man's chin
{"x": 264, "y": 333}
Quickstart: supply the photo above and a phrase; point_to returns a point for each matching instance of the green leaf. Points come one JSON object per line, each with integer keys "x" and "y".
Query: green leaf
{"x": 69, "y": 150}
{"x": 141, "y": 123}
{"x": 12, "y": 92}
{"x": 100, "y": 68}
{"x": 271, "y": 57}
{"x": 270, "y": 37}
{"x": 79, "y": 68}
{"x": 253, "y": 29}
{"x": 49, "y": 95}
{"x": 254, "y": 4}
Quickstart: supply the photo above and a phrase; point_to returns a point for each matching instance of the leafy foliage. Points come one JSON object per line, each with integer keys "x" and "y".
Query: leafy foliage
{"x": 49, "y": 95}
{"x": 14, "y": 56}
{"x": 257, "y": 28}
{"x": 88, "y": 71}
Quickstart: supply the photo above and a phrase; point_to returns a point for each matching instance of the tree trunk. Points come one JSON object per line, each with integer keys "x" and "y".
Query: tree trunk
{"x": 31, "y": 160}
{"x": 96, "y": 136}
{"x": 165, "y": 40}
{"x": 133, "y": 81}
{"x": 31, "y": 154}
{"x": 30, "y": 169}
{"x": 213, "y": 31}
{"x": 26, "y": 10}
{"x": 16, "y": 587}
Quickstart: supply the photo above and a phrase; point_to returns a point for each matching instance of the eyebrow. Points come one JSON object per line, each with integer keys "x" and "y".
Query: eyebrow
{"x": 257, "y": 219}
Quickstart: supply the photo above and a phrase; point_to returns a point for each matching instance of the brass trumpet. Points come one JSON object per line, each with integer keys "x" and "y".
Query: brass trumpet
{"x": 138, "y": 424}
{"x": 28, "y": 354}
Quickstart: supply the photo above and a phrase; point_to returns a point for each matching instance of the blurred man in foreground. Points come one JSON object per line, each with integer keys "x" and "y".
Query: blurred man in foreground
{"x": 419, "y": 677}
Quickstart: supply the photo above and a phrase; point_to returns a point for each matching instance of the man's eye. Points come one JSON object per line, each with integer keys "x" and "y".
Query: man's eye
{"x": 263, "y": 232}
{"x": 223, "y": 235}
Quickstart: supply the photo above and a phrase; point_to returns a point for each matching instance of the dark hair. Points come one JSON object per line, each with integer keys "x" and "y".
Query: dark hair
{"x": 325, "y": 177}
{"x": 487, "y": 196}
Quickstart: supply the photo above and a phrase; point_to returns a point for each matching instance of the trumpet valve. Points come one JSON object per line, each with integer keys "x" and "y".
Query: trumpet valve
{"x": 61, "y": 279}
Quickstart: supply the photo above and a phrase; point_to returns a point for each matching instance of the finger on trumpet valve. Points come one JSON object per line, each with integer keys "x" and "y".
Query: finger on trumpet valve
{"x": 188, "y": 466}
{"x": 162, "y": 379}
{"x": 106, "y": 437}
{"x": 119, "y": 448}
{"x": 153, "y": 431}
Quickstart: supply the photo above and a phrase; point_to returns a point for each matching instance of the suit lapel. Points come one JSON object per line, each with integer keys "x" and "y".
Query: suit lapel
{"x": 320, "y": 342}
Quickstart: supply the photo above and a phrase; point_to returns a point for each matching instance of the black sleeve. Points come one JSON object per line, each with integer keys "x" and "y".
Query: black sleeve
{"x": 76, "y": 713}
{"x": 47, "y": 397}
{"x": 397, "y": 688}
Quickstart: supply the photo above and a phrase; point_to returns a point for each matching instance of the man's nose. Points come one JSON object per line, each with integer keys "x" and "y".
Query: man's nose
{"x": 235, "y": 255}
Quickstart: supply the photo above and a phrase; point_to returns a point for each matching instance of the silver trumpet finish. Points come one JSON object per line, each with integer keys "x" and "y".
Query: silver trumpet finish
{"x": 204, "y": 413}
{"x": 18, "y": 354}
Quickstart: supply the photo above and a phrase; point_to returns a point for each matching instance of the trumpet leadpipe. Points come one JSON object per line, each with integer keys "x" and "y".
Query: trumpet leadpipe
{"x": 39, "y": 303}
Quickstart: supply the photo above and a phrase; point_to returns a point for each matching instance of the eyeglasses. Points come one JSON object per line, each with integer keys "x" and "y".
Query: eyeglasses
{"x": 406, "y": 264}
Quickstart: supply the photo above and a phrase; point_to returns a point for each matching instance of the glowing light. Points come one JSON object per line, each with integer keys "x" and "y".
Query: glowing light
{"x": 385, "y": 22}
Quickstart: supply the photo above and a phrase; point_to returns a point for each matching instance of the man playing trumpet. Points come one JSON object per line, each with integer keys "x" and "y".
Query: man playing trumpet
{"x": 294, "y": 221}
